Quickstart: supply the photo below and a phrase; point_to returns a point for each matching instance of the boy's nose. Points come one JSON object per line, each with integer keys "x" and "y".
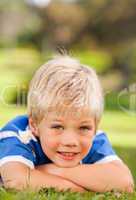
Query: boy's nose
{"x": 69, "y": 139}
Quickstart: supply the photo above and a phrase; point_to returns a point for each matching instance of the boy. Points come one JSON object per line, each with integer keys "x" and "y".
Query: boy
{"x": 58, "y": 144}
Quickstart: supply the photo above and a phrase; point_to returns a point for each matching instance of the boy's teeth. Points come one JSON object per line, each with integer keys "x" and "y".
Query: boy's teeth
{"x": 67, "y": 153}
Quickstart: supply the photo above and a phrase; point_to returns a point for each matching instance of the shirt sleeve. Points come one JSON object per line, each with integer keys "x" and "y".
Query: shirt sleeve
{"x": 11, "y": 147}
{"x": 101, "y": 150}
{"x": 16, "y": 124}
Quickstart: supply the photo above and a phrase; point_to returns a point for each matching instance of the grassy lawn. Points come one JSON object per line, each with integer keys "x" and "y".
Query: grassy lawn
{"x": 120, "y": 127}
{"x": 51, "y": 194}
{"x": 121, "y": 130}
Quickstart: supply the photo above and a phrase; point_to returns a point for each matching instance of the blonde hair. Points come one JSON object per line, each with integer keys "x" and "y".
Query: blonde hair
{"x": 63, "y": 82}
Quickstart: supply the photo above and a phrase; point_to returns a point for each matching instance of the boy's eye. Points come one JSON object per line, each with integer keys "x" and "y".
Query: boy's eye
{"x": 88, "y": 128}
{"x": 57, "y": 127}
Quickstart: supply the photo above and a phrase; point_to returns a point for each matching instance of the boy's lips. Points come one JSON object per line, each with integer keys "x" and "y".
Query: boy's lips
{"x": 67, "y": 155}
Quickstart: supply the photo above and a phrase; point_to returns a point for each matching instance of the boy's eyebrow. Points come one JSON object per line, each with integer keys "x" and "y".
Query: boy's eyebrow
{"x": 57, "y": 120}
{"x": 82, "y": 122}
{"x": 86, "y": 121}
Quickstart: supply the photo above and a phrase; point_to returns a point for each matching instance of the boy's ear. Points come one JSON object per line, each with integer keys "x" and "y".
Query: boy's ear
{"x": 33, "y": 127}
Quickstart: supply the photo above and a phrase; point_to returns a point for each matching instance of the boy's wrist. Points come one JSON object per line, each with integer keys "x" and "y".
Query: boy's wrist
{"x": 52, "y": 169}
{"x": 65, "y": 172}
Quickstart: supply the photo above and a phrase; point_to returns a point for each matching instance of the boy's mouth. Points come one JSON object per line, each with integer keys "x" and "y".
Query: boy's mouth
{"x": 67, "y": 155}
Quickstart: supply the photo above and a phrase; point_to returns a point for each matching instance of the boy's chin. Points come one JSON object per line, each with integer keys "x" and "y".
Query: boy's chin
{"x": 67, "y": 165}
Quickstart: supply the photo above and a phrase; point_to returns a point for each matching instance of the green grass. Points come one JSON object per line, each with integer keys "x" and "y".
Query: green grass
{"x": 100, "y": 60}
{"x": 121, "y": 130}
{"x": 8, "y": 112}
{"x": 120, "y": 127}
{"x": 52, "y": 194}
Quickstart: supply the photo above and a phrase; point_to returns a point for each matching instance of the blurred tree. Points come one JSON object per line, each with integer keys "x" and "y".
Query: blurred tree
{"x": 60, "y": 24}
{"x": 113, "y": 24}
{"x": 110, "y": 24}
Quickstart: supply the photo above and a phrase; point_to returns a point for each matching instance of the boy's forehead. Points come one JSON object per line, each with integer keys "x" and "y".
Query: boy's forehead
{"x": 70, "y": 112}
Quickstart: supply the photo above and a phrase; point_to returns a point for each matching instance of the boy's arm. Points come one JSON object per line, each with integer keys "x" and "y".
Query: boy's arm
{"x": 97, "y": 177}
{"x": 18, "y": 176}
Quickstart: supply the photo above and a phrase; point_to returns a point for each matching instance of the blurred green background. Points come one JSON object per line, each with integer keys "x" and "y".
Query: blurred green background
{"x": 101, "y": 33}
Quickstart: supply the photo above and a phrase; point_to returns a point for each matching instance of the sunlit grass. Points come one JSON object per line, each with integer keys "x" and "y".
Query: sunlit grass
{"x": 8, "y": 112}
{"x": 120, "y": 128}
{"x": 52, "y": 194}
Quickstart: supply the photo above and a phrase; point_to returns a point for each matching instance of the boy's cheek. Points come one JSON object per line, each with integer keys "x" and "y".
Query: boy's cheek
{"x": 51, "y": 143}
{"x": 86, "y": 147}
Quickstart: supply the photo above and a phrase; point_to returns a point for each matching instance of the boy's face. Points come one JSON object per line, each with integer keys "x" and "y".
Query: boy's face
{"x": 66, "y": 139}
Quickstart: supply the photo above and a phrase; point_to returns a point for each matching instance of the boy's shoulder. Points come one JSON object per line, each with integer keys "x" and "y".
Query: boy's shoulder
{"x": 16, "y": 124}
{"x": 101, "y": 151}
{"x": 17, "y": 143}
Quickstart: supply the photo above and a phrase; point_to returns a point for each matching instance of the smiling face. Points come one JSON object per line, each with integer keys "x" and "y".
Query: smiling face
{"x": 66, "y": 139}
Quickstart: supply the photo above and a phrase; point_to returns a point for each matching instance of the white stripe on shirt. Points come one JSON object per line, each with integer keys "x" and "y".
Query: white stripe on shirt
{"x": 23, "y": 136}
{"x": 109, "y": 159}
{"x": 106, "y": 159}
{"x": 21, "y": 159}
{"x": 99, "y": 132}
{"x": 6, "y": 134}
